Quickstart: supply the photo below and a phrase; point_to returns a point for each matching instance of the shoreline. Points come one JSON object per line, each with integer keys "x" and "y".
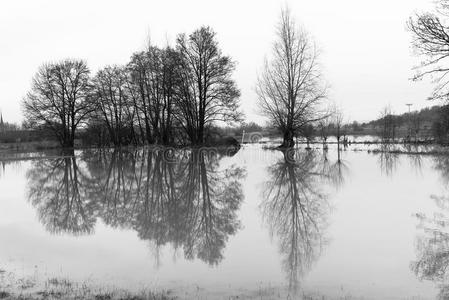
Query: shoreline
{"x": 25, "y": 153}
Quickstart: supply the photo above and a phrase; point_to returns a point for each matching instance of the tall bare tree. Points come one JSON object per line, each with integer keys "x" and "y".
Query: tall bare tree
{"x": 171, "y": 80}
{"x": 144, "y": 89}
{"x": 290, "y": 88}
{"x": 152, "y": 87}
{"x": 208, "y": 93}
{"x": 112, "y": 102}
{"x": 58, "y": 98}
{"x": 430, "y": 39}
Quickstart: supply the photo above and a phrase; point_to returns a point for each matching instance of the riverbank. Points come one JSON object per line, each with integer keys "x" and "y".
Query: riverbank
{"x": 32, "y": 151}
{"x": 64, "y": 289}
{"x": 28, "y": 146}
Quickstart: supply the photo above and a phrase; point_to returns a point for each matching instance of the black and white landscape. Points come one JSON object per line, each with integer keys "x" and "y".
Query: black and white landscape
{"x": 224, "y": 149}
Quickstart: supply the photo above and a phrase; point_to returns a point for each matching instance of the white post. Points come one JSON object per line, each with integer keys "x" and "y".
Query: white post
{"x": 243, "y": 135}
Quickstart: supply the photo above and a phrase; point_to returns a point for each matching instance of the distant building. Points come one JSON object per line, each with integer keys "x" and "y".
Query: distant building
{"x": 2, "y": 123}
{"x": 4, "y": 126}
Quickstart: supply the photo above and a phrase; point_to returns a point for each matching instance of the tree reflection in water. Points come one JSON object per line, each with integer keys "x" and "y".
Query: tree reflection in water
{"x": 57, "y": 189}
{"x": 182, "y": 198}
{"x": 334, "y": 172}
{"x": 432, "y": 242}
{"x": 388, "y": 159}
{"x": 296, "y": 209}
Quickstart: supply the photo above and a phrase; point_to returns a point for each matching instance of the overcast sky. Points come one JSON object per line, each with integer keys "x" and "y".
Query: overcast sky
{"x": 366, "y": 52}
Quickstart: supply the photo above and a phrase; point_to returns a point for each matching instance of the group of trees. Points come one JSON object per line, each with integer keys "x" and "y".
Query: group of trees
{"x": 330, "y": 126}
{"x": 173, "y": 95}
{"x": 162, "y": 96}
{"x": 425, "y": 123}
{"x": 389, "y": 125}
{"x": 440, "y": 125}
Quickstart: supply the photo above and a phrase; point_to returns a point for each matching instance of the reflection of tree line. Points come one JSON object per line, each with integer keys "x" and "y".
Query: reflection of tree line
{"x": 296, "y": 208}
{"x": 389, "y": 156}
{"x": 4, "y": 163}
{"x": 58, "y": 190}
{"x": 2, "y": 167}
{"x": 183, "y": 198}
{"x": 432, "y": 241}
{"x": 334, "y": 172}
{"x": 432, "y": 247}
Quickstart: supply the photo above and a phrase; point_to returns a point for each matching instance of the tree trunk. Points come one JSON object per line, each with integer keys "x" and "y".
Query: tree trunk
{"x": 288, "y": 141}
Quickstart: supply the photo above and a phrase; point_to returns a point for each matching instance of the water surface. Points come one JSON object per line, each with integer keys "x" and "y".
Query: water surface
{"x": 215, "y": 224}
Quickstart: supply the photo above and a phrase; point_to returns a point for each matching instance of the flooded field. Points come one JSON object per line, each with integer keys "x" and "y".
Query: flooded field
{"x": 210, "y": 224}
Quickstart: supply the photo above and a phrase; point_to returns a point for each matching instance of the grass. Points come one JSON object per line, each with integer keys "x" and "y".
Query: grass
{"x": 84, "y": 294}
{"x": 60, "y": 288}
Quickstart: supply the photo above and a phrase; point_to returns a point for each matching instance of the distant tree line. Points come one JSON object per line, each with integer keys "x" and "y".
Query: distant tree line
{"x": 427, "y": 114}
{"x": 427, "y": 123}
{"x": 170, "y": 95}
{"x": 430, "y": 122}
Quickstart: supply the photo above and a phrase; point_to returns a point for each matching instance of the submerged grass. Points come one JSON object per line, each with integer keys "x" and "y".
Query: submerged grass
{"x": 85, "y": 294}
{"x": 60, "y": 288}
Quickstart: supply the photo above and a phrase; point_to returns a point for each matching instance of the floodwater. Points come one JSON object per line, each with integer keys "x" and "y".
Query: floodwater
{"x": 217, "y": 224}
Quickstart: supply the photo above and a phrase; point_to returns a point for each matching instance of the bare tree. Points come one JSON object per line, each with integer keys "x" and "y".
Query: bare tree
{"x": 290, "y": 88}
{"x": 59, "y": 98}
{"x": 307, "y": 132}
{"x": 430, "y": 35}
{"x": 338, "y": 119}
{"x": 323, "y": 128}
{"x": 208, "y": 92}
{"x": 171, "y": 80}
{"x": 388, "y": 129}
{"x": 112, "y": 102}
{"x": 146, "y": 79}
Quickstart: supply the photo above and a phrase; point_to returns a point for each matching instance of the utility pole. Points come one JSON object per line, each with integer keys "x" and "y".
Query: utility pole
{"x": 409, "y": 120}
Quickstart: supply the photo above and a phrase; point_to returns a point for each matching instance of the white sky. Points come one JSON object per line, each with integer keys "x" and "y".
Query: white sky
{"x": 366, "y": 51}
